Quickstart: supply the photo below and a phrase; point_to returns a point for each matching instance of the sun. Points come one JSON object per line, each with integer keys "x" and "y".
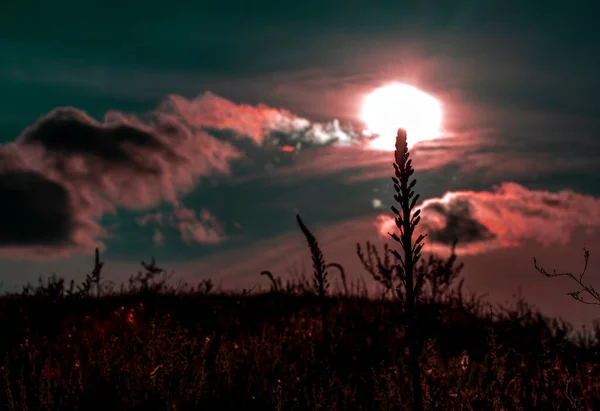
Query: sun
{"x": 399, "y": 105}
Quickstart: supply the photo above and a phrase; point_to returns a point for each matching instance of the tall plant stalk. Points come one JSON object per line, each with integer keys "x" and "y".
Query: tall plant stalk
{"x": 407, "y": 218}
{"x": 320, "y": 280}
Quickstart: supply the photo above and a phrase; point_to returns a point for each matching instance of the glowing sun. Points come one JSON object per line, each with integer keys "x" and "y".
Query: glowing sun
{"x": 399, "y": 105}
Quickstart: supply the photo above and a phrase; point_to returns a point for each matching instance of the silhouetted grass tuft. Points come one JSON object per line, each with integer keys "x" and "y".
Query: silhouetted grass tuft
{"x": 275, "y": 283}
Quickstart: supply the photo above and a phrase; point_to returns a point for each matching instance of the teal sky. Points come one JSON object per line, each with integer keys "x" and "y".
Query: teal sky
{"x": 517, "y": 80}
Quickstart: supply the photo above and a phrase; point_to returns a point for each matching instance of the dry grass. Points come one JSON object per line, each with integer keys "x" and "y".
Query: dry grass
{"x": 265, "y": 351}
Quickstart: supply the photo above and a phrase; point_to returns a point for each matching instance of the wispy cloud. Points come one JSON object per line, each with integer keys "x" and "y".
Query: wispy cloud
{"x": 488, "y": 167}
{"x": 149, "y": 218}
{"x": 211, "y": 111}
{"x": 359, "y": 162}
{"x": 158, "y": 238}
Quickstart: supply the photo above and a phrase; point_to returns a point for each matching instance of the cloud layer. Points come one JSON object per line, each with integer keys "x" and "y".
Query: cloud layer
{"x": 68, "y": 169}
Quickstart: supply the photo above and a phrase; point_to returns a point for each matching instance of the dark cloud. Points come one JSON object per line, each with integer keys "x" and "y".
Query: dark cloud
{"x": 34, "y": 211}
{"x": 70, "y": 131}
{"x": 459, "y": 223}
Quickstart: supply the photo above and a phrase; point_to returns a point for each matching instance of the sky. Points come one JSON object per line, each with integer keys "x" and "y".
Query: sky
{"x": 194, "y": 131}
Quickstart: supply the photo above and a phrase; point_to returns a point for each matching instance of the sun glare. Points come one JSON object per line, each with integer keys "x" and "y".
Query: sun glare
{"x": 399, "y": 105}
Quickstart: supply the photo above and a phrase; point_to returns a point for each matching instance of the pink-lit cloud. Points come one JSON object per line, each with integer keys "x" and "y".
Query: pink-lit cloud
{"x": 209, "y": 110}
{"x": 505, "y": 217}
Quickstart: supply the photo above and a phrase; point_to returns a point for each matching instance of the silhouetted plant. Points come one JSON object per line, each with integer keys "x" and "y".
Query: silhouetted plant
{"x": 407, "y": 219}
{"x": 53, "y": 288}
{"x": 93, "y": 278}
{"x": 205, "y": 286}
{"x": 320, "y": 281}
{"x": 380, "y": 268}
{"x": 154, "y": 279}
{"x": 440, "y": 275}
{"x": 299, "y": 284}
{"x": 585, "y": 288}
{"x": 576, "y": 295}
{"x": 275, "y": 282}
{"x": 342, "y": 275}
{"x": 247, "y": 292}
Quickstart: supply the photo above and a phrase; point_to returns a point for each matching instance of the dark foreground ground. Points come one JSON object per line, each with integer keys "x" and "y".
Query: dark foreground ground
{"x": 174, "y": 350}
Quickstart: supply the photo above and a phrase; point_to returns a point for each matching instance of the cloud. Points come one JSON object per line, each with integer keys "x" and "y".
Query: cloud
{"x": 260, "y": 123}
{"x": 194, "y": 227}
{"x": 68, "y": 169}
{"x": 202, "y": 227}
{"x": 146, "y": 219}
{"x": 92, "y": 167}
{"x": 209, "y": 110}
{"x": 34, "y": 210}
{"x": 115, "y": 142}
{"x": 487, "y": 167}
{"x": 87, "y": 168}
{"x": 505, "y": 217}
{"x": 158, "y": 238}
{"x": 366, "y": 163}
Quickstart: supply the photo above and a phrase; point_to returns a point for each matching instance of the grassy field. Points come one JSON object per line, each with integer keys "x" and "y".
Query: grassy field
{"x": 197, "y": 350}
